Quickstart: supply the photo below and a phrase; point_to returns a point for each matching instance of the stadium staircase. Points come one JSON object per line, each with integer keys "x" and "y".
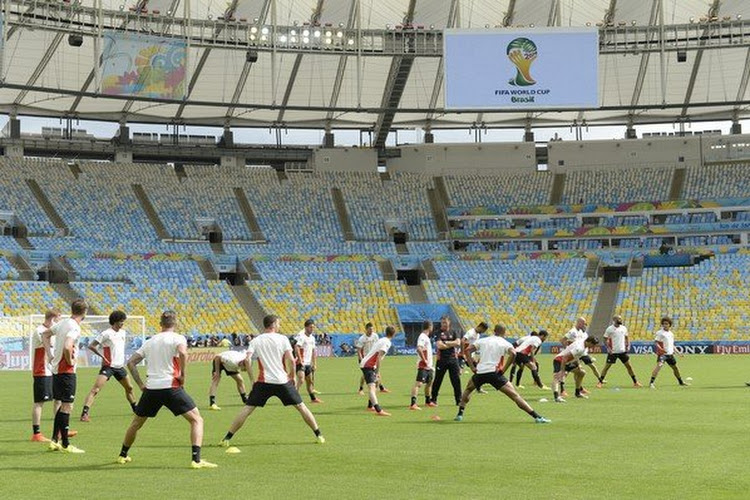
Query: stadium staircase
{"x": 402, "y": 249}
{"x": 217, "y": 247}
{"x": 385, "y": 176}
{"x": 417, "y": 294}
{"x": 387, "y": 271}
{"x": 48, "y": 208}
{"x": 65, "y": 291}
{"x": 207, "y": 269}
{"x": 150, "y": 211}
{"x": 635, "y": 268}
{"x": 558, "y": 187}
{"x": 247, "y": 212}
{"x": 604, "y": 309}
{"x": 250, "y": 305}
{"x": 430, "y": 273}
{"x": 438, "y": 212}
{"x": 592, "y": 267}
{"x": 442, "y": 190}
{"x": 24, "y": 242}
{"x": 343, "y": 214}
{"x": 281, "y": 176}
{"x": 25, "y": 271}
{"x": 75, "y": 169}
{"x": 252, "y": 272}
{"x": 678, "y": 183}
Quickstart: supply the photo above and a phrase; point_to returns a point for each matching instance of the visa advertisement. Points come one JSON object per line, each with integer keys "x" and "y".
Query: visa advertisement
{"x": 549, "y": 68}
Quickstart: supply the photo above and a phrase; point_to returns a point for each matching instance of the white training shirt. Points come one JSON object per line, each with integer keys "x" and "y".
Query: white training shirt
{"x": 113, "y": 343}
{"x": 522, "y": 340}
{"x": 307, "y": 345}
{"x": 65, "y": 329}
{"x": 492, "y": 351}
{"x": 39, "y": 366}
{"x": 529, "y": 345}
{"x": 269, "y": 349}
{"x": 576, "y": 334}
{"x": 162, "y": 360}
{"x": 365, "y": 342}
{"x": 370, "y": 360}
{"x": 576, "y": 349}
{"x": 666, "y": 337}
{"x": 618, "y": 335}
{"x": 471, "y": 336}
{"x": 423, "y": 342}
{"x": 232, "y": 359}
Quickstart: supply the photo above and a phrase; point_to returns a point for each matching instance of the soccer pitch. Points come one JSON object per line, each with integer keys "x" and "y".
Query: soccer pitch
{"x": 622, "y": 443}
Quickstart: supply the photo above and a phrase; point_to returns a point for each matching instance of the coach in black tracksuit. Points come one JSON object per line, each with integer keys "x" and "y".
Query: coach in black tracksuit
{"x": 448, "y": 344}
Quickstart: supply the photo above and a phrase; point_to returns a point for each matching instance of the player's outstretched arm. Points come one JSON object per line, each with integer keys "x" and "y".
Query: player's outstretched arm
{"x": 469, "y": 359}
{"x": 509, "y": 362}
{"x": 182, "y": 360}
{"x": 289, "y": 364}
{"x": 68, "y": 348}
{"x": 133, "y": 369}
{"x": 93, "y": 347}
{"x": 249, "y": 368}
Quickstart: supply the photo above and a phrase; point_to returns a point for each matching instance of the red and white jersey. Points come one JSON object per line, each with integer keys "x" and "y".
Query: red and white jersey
{"x": 370, "y": 360}
{"x": 232, "y": 360}
{"x": 113, "y": 345}
{"x": 521, "y": 340}
{"x": 492, "y": 351}
{"x": 666, "y": 337}
{"x": 576, "y": 350}
{"x": 529, "y": 345}
{"x": 306, "y": 344}
{"x": 39, "y": 366}
{"x": 365, "y": 342}
{"x": 162, "y": 360}
{"x": 423, "y": 342}
{"x": 269, "y": 349}
{"x": 471, "y": 337}
{"x": 576, "y": 334}
{"x": 618, "y": 337}
{"x": 65, "y": 329}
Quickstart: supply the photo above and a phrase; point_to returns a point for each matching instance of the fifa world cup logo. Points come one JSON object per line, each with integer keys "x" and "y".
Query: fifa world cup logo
{"x": 522, "y": 52}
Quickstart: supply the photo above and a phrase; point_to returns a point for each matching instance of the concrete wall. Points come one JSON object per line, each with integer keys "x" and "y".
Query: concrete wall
{"x": 457, "y": 159}
{"x": 345, "y": 159}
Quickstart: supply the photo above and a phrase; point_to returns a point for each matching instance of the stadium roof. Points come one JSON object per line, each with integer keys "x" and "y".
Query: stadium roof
{"x": 306, "y": 88}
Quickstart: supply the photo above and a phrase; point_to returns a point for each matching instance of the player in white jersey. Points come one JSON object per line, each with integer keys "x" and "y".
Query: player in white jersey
{"x": 578, "y": 332}
{"x": 618, "y": 345}
{"x": 231, "y": 363}
{"x": 42, "y": 374}
{"x": 63, "y": 366}
{"x": 363, "y": 345}
{"x": 275, "y": 379}
{"x": 425, "y": 367}
{"x": 306, "y": 360}
{"x": 165, "y": 355}
{"x": 370, "y": 366}
{"x": 525, "y": 352}
{"x": 664, "y": 339}
{"x": 112, "y": 340}
{"x": 468, "y": 339}
{"x": 567, "y": 361}
{"x": 489, "y": 370}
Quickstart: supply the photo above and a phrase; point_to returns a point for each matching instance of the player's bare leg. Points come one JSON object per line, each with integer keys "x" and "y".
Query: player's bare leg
{"x": 535, "y": 374}
{"x": 414, "y": 392}
{"x": 310, "y": 385}
{"x": 98, "y": 384}
{"x": 215, "y": 380}
{"x": 373, "y": 403}
{"x": 511, "y": 392}
{"x": 129, "y": 393}
{"x": 240, "y": 382}
{"x": 578, "y": 375}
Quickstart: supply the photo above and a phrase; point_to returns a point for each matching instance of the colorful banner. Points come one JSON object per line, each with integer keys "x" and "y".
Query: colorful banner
{"x": 138, "y": 65}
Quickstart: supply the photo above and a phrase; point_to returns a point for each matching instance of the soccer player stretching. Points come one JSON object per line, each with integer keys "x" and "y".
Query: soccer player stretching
{"x": 525, "y": 355}
{"x": 64, "y": 364}
{"x": 618, "y": 345}
{"x": 578, "y": 332}
{"x": 113, "y": 361}
{"x": 363, "y": 345}
{"x": 489, "y": 370}
{"x": 665, "y": 352}
{"x": 370, "y": 366}
{"x": 307, "y": 360}
{"x": 425, "y": 370}
{"x": 275, "y": 378}
{"x": 567, "y": 361}
{"x": 231, "y": 363}
{"x": 166, "y": 359}
{"x": 42, "y": 374}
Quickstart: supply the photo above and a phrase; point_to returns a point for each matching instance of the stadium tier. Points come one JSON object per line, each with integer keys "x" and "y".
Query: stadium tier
{"x": 614, "y": 186}
{"x": 717, "y": 181}
{"x": 707, "y": 301}
{"x": 20, "y": 298}
{"x": 504, "y": 190}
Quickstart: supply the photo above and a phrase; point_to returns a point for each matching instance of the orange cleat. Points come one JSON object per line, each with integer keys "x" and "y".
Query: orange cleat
{"x": 382, "y": 413}
{"x": 414, "y": 408}
{"x": 637, "y": 385}
{"x": 432, "y": 405}
{"x": 316, "y": 401}
{"x": 39, "y": 438}
{"x": 385, "y": 390}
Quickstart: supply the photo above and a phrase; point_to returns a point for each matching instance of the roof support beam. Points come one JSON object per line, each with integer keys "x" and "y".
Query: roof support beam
{"x": 645, "y": 57}
{"x": 398, "y": 76}
{"x": 314, "y": 19}
{"x": 743, "y": 81}
{"x": 713, "y": 11}
{"x": 341, "y": 69}
{"x": 40, "y": 67}
{"x": 609, "y": 14}
{"x": 555, "y": 14}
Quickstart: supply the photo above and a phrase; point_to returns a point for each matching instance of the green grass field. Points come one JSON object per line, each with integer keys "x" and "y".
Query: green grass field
{"x": 622, "y": 443}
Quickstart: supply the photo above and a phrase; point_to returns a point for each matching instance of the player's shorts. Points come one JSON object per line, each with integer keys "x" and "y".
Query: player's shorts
{"x": 222, "y": 368}
{"x": 587, "y": 360}
{"x": 370, "y": 374}
{"x": 425, "y": 376}
{"x": 569, "y": 367}
{"x": 495, "y": 379}
{"x": 522, "y": 359}
{"x": 64, "y": 387}
{"x": 668, "y": 359}
{"x": 612, "y": 357}
{"x": 262, "y": 392}
{"x": 176, "y": 400}
{"x": 305, "y": 368}
{"x": 118, "y": 373}
{"x": 42, "y": 389}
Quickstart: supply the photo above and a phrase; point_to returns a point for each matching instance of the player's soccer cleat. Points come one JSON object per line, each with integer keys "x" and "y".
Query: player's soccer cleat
{"x": 542, "y": 420}
{"x": 233, "y": 450}
{"x": 545, "y": 388}
{"x": 315, "y": 391}
{"x": 385, "y": 390}
{"x": 382, "y": 413}
{"x": 520, "y": 386}
{"x": 685, "y": 384}
{"x": 123, "y": 460}
{"x": 320, "y": 439}
{"x": 72, "y": 434}
{"x": 599, "y": 385}
{"x": 317, "y": 401}
{"x": 651, "y": 386}
{"x": 582, "y": 396}
{"x": 214, "y": 407}
{"x": 481, "y": 391}
{"x": 637, "y": 385}
{"x": 39, "y": 438}
{"x": 224, "y": 443}
{"x": 414, "y": 408}
{"x": 85, "y": 418}
{"x": 371, "y": 409}
{"x": 559, "y": 400}
{"x": 458, "y": 418}
{"x": 432, "y": 404}
{"x": 71, "y": 449}
{"x": 564, "y": 394}
{"x": 53, "y": 446}
{"x": 584, "y": 391}
{"x": 360, "y": 392}
{"x": 202, "y": 465}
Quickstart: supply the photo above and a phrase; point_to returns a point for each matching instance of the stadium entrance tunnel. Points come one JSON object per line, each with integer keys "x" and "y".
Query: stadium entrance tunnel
{"x": 410, "y": 276}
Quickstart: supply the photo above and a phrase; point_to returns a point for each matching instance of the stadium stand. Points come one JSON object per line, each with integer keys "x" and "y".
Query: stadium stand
{"x": 17, "y": 197}
{"x": 717, "y": 181}
{"x": 27, "y": 297}
{"x": 614, "y": 186}
{"x": 503, "y": 189}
